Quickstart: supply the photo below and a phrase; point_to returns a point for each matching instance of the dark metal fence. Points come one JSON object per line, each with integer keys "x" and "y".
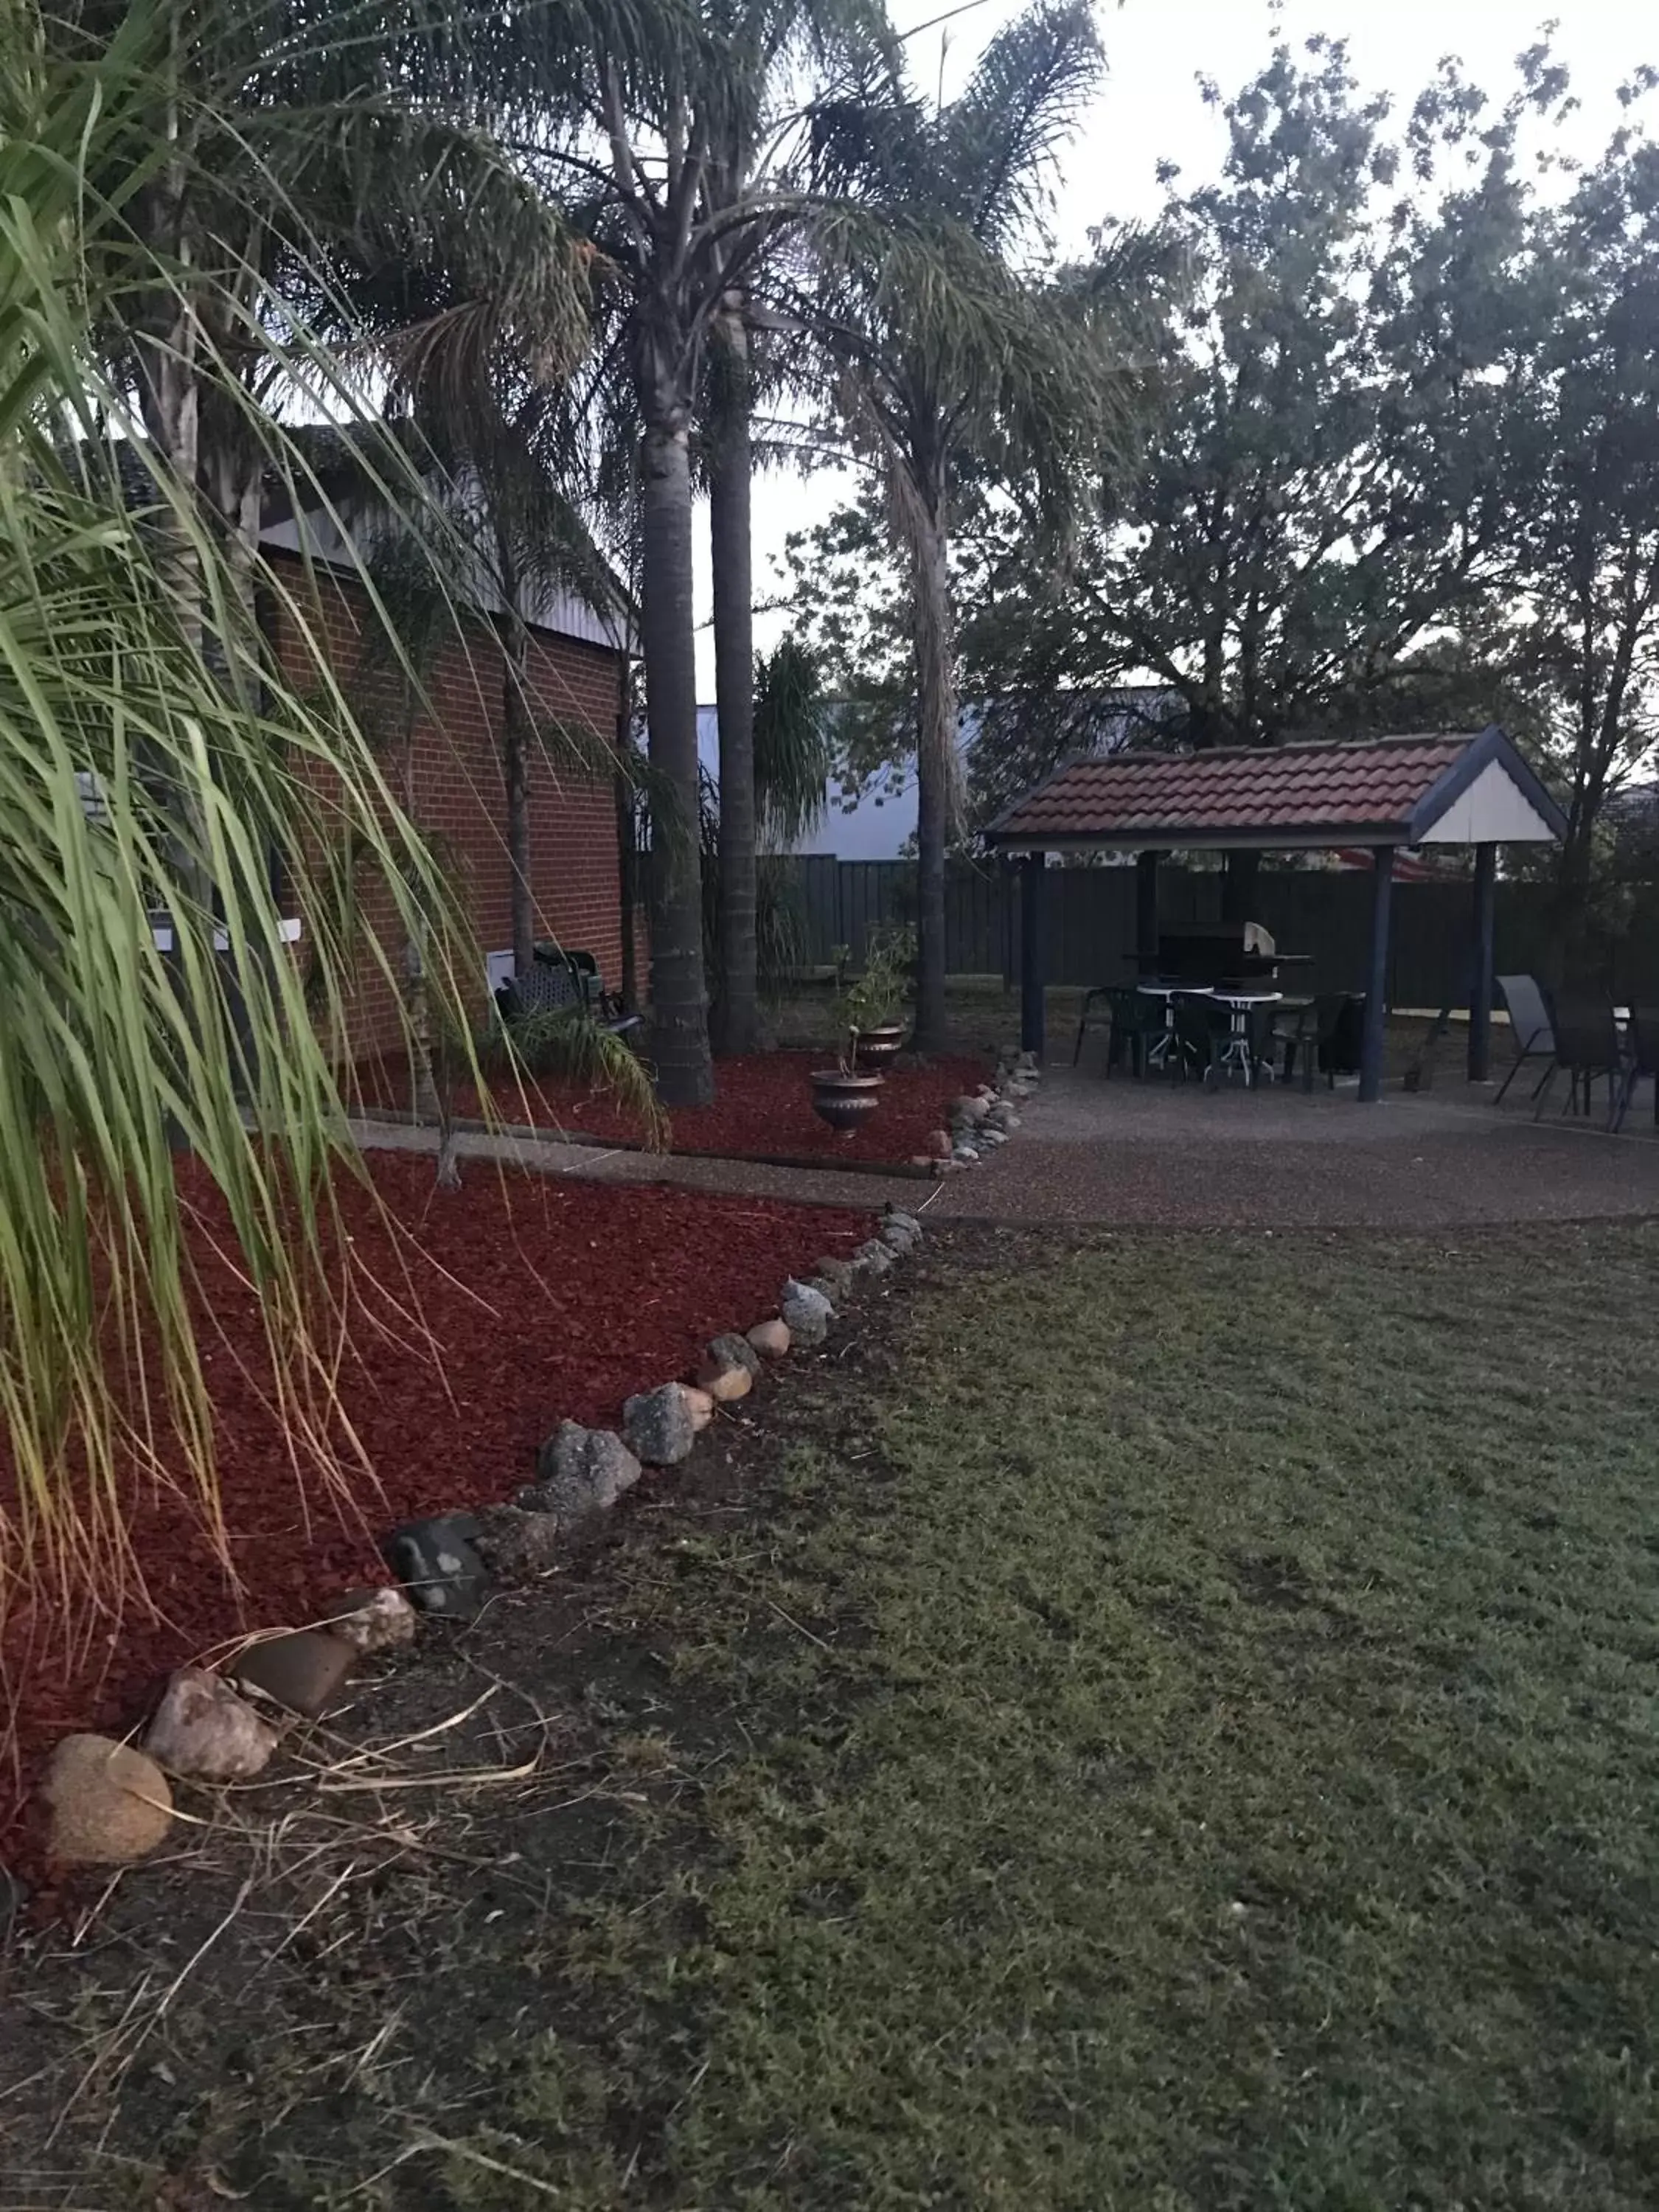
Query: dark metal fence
{"x": 1091, "y": 923}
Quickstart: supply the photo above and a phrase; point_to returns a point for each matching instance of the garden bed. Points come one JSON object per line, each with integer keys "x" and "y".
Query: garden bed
{"x": 762, "y": 1110}
{"x": 543, "y": 1299}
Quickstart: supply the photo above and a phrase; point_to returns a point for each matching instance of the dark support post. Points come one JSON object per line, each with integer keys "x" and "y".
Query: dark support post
{"x": 1377, "y": 985}
{"x": 1033, "y": 962}
{"x": 1147, "y": 911}
{"x": 1485, "y": 960}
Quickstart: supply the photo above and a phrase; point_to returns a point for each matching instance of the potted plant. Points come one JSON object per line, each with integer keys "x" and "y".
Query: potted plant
{"x": 871, "y": 1007}
{"x": 845, "y": 1095}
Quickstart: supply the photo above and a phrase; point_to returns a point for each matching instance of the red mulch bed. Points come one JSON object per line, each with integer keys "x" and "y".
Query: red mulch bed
{"x": 763, "y": 1108}
{"x": 546, "y": 1299}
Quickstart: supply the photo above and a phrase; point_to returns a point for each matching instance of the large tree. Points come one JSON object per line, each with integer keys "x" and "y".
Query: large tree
{"x": 1328, "y": 485}
{"x": 1588, "y": 497}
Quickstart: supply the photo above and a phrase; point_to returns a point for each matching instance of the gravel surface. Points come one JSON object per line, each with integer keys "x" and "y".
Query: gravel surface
{"x": 1123, "y": 1152}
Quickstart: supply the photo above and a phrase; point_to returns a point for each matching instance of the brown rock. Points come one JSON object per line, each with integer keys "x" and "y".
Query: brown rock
{"x": 701, "y": 1405}
{"x": 939, "y": 1143}
{"x": 770, "y": 1339}
{"x": 300, "y": 1671}
{"x": 724, "y": 1384}
{"x": 734, "y": 1351}
{"x": 204, "y": 1732}
{"x": 373, "y": 1619}
{"x": 108, "y": 1802}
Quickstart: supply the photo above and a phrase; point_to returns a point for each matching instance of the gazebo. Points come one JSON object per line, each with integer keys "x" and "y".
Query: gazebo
{"x": 1436, "y": 788}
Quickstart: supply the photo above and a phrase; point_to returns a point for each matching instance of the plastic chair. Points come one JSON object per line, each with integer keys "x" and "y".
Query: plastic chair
{"x": 1529, "y": 1010}
{"x": 1132, "y": 1019}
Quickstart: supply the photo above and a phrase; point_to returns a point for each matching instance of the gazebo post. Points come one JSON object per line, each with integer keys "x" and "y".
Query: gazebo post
{"x": 1033, "y": 962}
{"x": 1485, "y": 960}
{"x": 1376, "y": 990}
{"x": 1147, "y": 911}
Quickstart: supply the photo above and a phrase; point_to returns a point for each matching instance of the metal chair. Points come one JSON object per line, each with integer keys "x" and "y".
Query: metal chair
{"x": 1641, "y": 1057}
{"x": 1530, "y": 1023}
{"x": 1132, "y": 1019}
{"x": 1586, "y": 1046}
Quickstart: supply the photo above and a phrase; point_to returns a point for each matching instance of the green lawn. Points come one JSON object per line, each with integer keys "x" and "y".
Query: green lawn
{"x": 1209, "y": 1759}
{"x": 1165, "y": 1724}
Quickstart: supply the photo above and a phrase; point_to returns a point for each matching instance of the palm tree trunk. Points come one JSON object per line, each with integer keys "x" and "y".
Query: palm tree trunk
{"x": 736, "y": 1009}
{"x": 679, "y": 1014}
{"x": 628, "y": 857}
{"x": 936, "y": 761}
{"x": 515, "y": 777}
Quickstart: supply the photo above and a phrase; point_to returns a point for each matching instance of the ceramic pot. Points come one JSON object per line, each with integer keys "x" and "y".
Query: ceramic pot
{"x": 879, "y": 1047}
{"x": 842, "y": 1100}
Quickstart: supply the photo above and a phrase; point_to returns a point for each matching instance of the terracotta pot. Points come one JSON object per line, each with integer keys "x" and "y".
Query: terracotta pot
{"x": 879, "y": 1047}
{"x": 843, "y": 1101}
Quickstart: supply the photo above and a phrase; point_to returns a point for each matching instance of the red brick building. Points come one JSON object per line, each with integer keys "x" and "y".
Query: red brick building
{"x": 453, "y": 764}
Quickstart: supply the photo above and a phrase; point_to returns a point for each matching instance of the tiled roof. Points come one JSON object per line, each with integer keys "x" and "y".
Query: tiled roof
{"x": 1345, "y": 788}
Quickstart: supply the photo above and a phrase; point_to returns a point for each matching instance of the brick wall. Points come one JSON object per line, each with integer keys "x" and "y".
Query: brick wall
{"x": 456, "y": 793}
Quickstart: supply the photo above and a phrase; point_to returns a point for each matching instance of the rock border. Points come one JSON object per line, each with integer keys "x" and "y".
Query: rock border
{"x": 108, "y": 1803}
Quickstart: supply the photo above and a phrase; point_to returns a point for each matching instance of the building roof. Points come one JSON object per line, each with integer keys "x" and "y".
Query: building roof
{"x": 1440, "y": 787}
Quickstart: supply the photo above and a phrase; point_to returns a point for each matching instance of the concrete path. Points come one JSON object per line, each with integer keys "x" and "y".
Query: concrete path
{"x": 686, "y": 1170}
{"x": 1129, "y": 1153}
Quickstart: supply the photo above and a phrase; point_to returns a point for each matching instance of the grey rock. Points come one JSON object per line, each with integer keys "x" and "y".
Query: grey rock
{"x": 581, "y": 1471}
{"x": 993, "y": 1136}
{"x": 968, "y": 1110}
{"x": 437, "y": 1564}
{"x": 660, "y": 1426}
{"x": 837, "y": 1277}
{"x": 910, "y": 1221}
{"x": 806, "y": 1313}
{"x": 899, "y": 1235}
{"x": 965, "y": 1156}
{"x": 733, "y": 1351}
{"x": 515, "y": 1542}
{"x": 875, "y": 1258}
{"x": 204, "y": 1732}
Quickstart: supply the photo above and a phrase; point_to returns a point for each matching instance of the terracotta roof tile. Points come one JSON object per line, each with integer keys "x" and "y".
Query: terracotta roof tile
{"x": 1346, "y": 788}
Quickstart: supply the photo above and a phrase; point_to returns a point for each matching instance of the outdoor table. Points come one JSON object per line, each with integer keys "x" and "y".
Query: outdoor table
{"x": 1239, "y": 1005}
{"x": 1159, "y": 1053}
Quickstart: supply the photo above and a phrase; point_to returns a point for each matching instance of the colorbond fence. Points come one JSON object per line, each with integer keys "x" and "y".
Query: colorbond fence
{"x": 1091, "y": 923}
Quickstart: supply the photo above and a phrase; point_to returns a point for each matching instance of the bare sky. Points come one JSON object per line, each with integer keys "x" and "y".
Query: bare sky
{"x": 1150, "y": 108}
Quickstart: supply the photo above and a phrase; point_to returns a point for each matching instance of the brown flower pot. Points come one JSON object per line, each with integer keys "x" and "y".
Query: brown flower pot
{"x": 878, "y": 1048}
{"x": 842, "y": 1100}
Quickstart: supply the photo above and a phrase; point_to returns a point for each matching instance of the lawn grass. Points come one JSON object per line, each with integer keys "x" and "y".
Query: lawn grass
{"x": 1173, "y": 1729}
{"x": 1230, "y": 1779}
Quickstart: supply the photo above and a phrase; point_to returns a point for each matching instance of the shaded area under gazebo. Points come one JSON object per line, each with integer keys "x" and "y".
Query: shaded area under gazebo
{"x": 1384, "y": 793}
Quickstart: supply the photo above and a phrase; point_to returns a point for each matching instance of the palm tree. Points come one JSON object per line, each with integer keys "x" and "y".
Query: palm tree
{"x": 945, "y": 353}
{"x": 776, "y": 39}
{"x": 142, "y": 792}
{"x": 679, "y": 245}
